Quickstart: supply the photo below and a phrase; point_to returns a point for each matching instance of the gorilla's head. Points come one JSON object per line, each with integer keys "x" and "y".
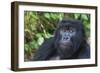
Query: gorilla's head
{"x": 68, "y": 37}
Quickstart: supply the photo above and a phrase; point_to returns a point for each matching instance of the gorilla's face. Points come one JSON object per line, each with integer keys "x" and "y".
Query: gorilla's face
{"x": 66, "y": 34}
{"x": 70, "y": 37}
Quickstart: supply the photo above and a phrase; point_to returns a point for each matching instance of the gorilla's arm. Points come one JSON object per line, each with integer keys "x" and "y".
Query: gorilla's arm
{"x": 45, "y": 50}
{"x": 85, "y": 52}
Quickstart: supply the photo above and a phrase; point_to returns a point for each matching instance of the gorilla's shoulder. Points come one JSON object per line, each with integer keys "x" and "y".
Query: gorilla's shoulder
{"x": 50, "y": 40}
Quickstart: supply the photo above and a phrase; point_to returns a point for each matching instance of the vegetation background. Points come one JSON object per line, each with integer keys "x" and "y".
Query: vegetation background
{"x": 39, "y": 26}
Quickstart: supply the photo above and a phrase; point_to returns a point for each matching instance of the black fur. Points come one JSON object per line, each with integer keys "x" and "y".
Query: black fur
{"x": 76, "y": 48}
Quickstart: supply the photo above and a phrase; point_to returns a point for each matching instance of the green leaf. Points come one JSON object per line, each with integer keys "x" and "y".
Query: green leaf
{"x": 40, "y": 40}
{"x": 76, "y": 15}
{"x": 84, "y": 17}
{"x": 38, "y": 35}
{"x": 26, "y": 47}
{"x": 47, "y": 15}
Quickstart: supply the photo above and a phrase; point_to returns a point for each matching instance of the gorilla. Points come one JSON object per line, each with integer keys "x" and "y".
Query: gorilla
{"x": 69, "y": 42}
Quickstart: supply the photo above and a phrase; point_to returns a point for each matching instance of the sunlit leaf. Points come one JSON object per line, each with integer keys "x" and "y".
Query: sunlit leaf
{"x": 40, "y": 40}
{"x": 47, "y": 15}
{"x": 76, "y": 15}
{"x": 84, "y": 17}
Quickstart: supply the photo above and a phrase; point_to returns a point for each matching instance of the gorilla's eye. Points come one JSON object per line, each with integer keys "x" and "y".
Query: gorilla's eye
{"x": 72, "y": 29}
{"x": 68, "y": 29}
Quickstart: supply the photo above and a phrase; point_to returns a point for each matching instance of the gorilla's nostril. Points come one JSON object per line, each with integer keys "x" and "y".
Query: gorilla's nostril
{"x": 66, "y": 38}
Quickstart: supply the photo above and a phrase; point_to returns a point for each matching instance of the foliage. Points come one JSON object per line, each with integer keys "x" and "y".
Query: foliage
{"x": 38, "y": 26}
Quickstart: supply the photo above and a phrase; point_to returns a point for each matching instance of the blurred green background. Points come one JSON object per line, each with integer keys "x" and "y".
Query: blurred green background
{"x": 38, "y": 26}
